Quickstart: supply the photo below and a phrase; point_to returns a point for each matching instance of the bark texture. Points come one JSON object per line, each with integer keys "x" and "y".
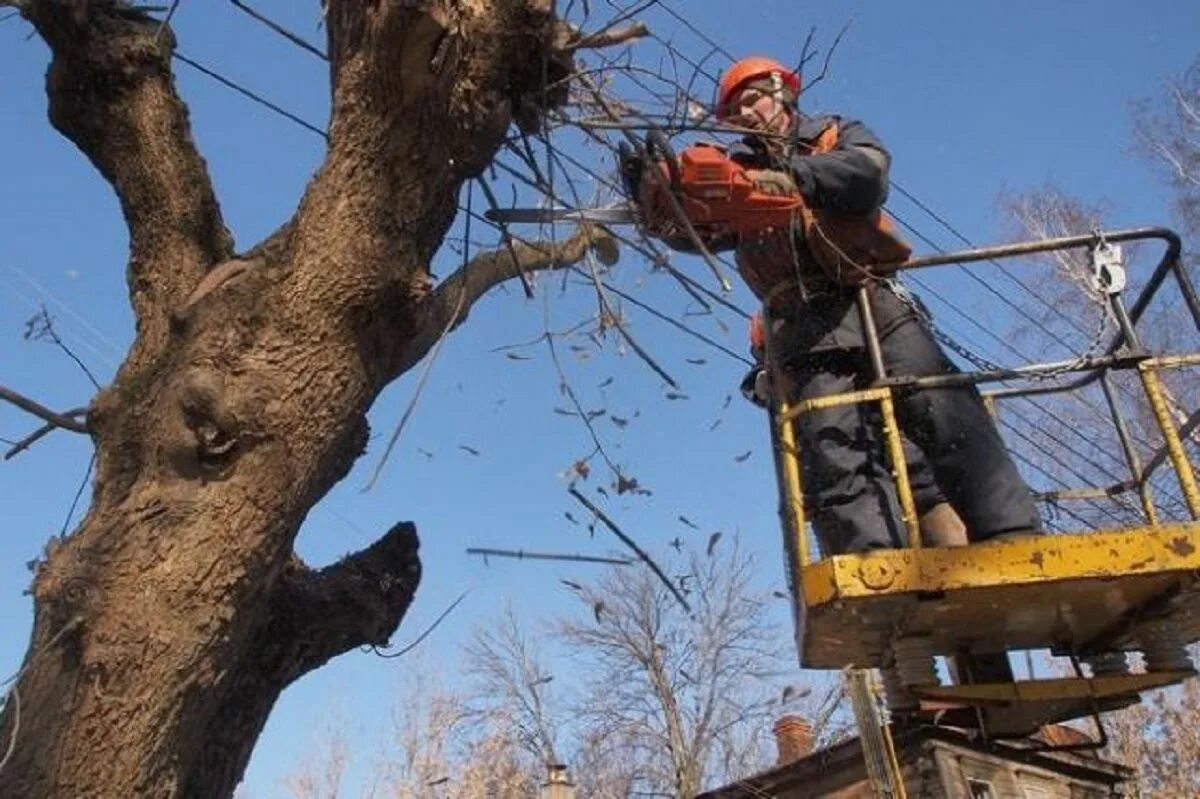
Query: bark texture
{"x": 168, "y": 623}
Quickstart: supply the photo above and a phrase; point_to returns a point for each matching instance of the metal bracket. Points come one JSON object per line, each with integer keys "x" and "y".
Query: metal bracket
{"x": 1108, "y": 267}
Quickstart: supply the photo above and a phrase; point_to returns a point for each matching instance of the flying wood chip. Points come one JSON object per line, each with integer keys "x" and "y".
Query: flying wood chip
{"x": 516, "y": 356}
{"x": 697, "y": 361}
{"x": 467, "y": 449}
{"x": 688, "y": 522}
{"x": 712, "y": 543}
{"x": 675, "y": 395}
{"x": 742, "y": 458}
{"x": 619, "y": 422}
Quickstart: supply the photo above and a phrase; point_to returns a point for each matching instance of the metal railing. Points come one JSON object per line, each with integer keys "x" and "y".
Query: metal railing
{"x": 1124, "y": 352}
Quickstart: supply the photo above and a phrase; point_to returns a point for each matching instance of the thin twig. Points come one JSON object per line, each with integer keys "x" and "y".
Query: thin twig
{"x": 78, "y": 493}
{"x": 629, "y": 542}
{"x": 583, "y": 415}
{"x": 608, "y": 315}
{"x": 428, "y": 630}
{"x": 42, "y": 326}
{"x": 412, "y": 403}
{"x": 829, "y": 55}
{"x": 677, "y": 324}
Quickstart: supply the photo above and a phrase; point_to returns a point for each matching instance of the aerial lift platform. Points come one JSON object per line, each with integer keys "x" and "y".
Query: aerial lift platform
{"x": 1095, "y": 596}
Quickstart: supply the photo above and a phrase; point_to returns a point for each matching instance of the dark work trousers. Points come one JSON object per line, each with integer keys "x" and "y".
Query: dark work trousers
{"x": 817, "y": 347}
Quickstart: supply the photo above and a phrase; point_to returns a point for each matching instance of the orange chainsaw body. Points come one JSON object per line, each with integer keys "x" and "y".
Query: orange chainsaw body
{"x": 716, "y": 195}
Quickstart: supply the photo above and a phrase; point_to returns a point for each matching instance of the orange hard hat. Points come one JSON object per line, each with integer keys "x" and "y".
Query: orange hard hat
{"x": 749, "y": 69}
{"x": 758, "y": 333}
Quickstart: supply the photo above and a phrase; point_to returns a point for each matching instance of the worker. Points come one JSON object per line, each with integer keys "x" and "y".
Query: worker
{"x": 807, "y": 278}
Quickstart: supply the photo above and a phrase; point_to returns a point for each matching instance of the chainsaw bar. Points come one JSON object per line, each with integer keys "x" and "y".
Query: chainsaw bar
{"x": 612, "y": 215}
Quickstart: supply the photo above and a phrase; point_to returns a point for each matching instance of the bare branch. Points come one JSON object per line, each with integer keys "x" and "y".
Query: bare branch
{"x": 609, "y": 37}
{"x": 28, "y": 441}
{"x": 64, "y": 421}
{"x": 448, "y": 304}
{"x": 41, "y": 327}
{"x": 629, "y": 542}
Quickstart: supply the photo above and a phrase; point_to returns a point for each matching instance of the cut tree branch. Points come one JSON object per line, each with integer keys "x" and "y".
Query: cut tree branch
{"x": 358, "y": 601}
{"x": 447, "y": 305}
{"x": 65, "y": 421}
{"x": 111, "y": 92}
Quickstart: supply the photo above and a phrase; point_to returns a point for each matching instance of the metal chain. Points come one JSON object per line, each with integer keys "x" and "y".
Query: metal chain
{"x": 905, "y": 296}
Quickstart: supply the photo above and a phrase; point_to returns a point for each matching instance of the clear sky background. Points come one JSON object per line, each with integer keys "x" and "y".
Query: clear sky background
{"x": 974, "y": 99}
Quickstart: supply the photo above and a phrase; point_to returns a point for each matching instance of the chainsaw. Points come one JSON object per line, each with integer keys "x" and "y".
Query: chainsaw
{"x": 702, "y": 184}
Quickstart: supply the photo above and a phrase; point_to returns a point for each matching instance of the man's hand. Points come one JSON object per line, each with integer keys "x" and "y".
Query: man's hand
{"x": 756, "y": 387}
{"x": 773, "y": 182}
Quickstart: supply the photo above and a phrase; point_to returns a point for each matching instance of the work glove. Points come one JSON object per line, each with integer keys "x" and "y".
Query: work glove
{"x": 756, "y": 386}
{"x": 631, "y": 166}
{"x": 773, "y": 182}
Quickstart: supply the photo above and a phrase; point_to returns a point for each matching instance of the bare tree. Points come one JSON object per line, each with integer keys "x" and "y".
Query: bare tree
{"x": 168, "y": 623}
{"x": 515, "y": 684}
{"x": 1168, "y": 131}
{"x": 441, "y": 748}
{"x": 1160, "y": 739}
{"x": 321, "y": 775}
{"x": 688, "y": 696}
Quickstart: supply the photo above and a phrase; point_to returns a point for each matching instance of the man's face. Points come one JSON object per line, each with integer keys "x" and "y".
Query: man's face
{"x": 761, "y": 110}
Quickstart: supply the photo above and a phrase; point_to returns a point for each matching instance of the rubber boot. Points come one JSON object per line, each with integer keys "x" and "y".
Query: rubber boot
{"x": 941, "y": 526}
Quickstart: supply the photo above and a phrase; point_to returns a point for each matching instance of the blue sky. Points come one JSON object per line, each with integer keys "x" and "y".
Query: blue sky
{"x": 974, "y": 99}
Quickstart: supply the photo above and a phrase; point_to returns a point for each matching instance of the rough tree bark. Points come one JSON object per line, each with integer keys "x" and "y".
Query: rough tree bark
{"x": 168, "y": 623}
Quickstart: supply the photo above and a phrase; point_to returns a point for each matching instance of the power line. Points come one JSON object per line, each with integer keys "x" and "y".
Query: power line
{"x": 257, "y": 98}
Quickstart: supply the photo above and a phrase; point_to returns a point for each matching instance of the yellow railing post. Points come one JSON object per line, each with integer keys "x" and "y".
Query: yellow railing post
{"x": 1175, "y": 451}
{"x": 891, "y": 435}
{"x": 793, "y": 487}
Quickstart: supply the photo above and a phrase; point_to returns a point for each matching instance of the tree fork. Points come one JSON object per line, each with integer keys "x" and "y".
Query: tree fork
{"x": 168, "y": 623}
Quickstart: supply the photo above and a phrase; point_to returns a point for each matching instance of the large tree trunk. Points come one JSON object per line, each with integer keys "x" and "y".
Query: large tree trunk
{"x": 169, "y": 622}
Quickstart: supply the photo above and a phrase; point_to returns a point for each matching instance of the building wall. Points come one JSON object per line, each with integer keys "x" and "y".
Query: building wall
{"x": 967, "y": 774}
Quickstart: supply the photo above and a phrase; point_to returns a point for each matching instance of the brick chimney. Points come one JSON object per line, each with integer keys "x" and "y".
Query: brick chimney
{"x": 793, "y": 738}
{"x": 558, "y": 783}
